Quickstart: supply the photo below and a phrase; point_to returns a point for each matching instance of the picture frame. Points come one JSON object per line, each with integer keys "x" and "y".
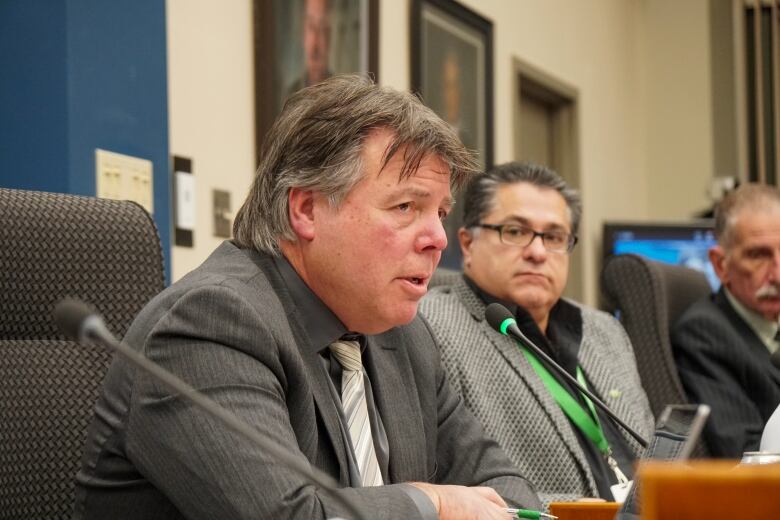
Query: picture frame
{"x": 452, "y": 69}
{"x": 452, "y": 72}
{"x": 299, "y": 42}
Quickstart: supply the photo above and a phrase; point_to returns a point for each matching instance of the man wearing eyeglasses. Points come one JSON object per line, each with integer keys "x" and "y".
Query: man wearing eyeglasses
{"x": 520, "y": 226}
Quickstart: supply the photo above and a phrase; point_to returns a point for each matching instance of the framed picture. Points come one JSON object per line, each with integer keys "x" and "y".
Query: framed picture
{"x": 301, "y": 42}
{"x": 452, "y": 71}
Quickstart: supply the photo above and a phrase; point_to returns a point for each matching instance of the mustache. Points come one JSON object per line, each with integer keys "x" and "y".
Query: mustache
{"x": 770, "y": 290}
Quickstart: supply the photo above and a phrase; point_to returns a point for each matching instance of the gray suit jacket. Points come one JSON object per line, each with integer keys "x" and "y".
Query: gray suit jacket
{"x": 230, "y": 329}
{"x": 516, "y": 409}
{"x": 724, "y": 364}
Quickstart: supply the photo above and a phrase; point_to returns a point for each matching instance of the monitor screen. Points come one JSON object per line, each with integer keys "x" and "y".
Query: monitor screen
{"x": 674, "y": 243}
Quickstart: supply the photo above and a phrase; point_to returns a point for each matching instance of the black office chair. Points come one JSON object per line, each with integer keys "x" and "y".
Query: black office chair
{"x": 650, "y": 297}
{"x": 53, "y": 246}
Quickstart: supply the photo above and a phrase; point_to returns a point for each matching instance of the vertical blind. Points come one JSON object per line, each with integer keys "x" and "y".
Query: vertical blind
{"x": 762, "y": 89}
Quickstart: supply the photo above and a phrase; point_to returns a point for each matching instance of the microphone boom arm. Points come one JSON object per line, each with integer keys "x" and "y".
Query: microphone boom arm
{"x": 501, "y": 320}
{"x": 598, "y": 402}
{"x": 76, "y": 319}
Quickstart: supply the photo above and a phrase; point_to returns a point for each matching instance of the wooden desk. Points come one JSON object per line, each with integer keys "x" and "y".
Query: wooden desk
{"x": 707, "y": 490}
{"x": 584, "y": 510}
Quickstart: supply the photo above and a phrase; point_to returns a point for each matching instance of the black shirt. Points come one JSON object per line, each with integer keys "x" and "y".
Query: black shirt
{"x": 562, "y": 344}
{"x": 323, "y": 328}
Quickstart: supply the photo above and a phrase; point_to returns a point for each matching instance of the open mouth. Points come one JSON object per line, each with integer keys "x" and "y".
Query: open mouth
{"x": 416, "y": 281}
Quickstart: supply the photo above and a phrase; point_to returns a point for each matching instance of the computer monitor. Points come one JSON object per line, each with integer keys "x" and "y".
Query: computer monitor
{"x": 684, "y": 243}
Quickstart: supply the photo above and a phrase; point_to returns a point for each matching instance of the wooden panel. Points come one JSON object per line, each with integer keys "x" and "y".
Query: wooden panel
{"x": 536, "y": 131}
{"x": 705, "y": 490}
{"x": 584, "y": 510}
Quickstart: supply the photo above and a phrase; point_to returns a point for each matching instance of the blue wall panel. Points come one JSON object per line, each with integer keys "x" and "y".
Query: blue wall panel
{"x": 33, "y": 109}
{"x": 80, "y": 75}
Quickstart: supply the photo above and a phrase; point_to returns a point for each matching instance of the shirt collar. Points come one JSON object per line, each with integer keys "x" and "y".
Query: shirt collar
{"x": 564, "y": 327}
{"x": 765, "y": 329}
{"x": 488, "y": 298}
{"x": 322, "y": 326}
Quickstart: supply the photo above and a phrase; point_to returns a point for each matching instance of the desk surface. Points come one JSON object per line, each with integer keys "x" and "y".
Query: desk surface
{"x": 703, "y": 490}
{"x": 584, "y": 510}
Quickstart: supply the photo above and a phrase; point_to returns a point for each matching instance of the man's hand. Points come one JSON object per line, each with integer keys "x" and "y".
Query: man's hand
{"x": 465, "y": 503}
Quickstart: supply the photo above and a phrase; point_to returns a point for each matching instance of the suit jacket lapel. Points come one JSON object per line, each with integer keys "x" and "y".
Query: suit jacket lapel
{"x": 508, "y": 349}
{"x": 318, "y": 377}
{"x": 753, "y": 344}
{"x": 326, "y": 406}
{"x": 611, "y": 390}
{"x": 395, "y": 396}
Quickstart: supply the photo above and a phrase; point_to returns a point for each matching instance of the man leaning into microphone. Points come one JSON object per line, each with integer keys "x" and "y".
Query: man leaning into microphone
{"x": 722, "y": 344}
{"x": 305, "y": 327}
{"x": 520, "y": 226}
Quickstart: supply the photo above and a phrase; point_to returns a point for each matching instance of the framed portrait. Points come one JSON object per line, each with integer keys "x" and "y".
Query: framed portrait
{"x": 452, "y": 71}
{"x": 301, "y": 42}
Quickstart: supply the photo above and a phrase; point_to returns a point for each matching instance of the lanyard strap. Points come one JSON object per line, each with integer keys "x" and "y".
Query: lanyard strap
{"x": 588, "y": 423}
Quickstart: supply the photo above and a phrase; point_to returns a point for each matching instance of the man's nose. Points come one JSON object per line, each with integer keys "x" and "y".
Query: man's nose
{"x": 774, "y": 273}
{"x": 535, "y": 250}
{"x": 433, "y": 236}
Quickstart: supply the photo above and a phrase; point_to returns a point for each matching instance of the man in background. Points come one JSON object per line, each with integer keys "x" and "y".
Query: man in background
{"x": 520, "y": 225}
{"x": 316, "y": 45}
{"x": 722, "y": 344}
{"x": 305, "y": 327}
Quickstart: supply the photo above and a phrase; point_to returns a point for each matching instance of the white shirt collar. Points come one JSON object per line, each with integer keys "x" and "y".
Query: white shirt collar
{"x": 765, "y": 329}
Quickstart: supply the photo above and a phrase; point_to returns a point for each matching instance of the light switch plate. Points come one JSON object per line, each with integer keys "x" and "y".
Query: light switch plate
{"x": 123, "y": 177}
{"x": 223, "y": 218}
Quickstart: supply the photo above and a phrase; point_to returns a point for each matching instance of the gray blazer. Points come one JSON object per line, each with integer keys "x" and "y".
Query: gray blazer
{"x": 230, "y": 329}
{"x": 516, "y": 409}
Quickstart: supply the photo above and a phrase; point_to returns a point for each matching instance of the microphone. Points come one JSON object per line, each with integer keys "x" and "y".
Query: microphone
{"x": 502, "y": 320}
{"x": 79, "y": 322}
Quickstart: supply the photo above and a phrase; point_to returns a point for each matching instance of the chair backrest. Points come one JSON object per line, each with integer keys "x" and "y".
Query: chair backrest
{"x": 650, "y": 297}
{"x": 52, "y": 246}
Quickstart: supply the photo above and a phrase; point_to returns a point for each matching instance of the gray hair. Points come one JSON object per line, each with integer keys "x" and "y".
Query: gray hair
{"x": 316, "y": 144}
{"x": 753, "y": 197}
{"x": 481, "y": 192}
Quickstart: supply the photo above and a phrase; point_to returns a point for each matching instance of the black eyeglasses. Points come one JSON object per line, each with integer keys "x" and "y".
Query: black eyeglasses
{"x": 517, "y": 235}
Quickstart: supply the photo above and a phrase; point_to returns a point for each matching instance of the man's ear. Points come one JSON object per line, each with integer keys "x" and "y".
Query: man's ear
{"x": 465, "y": 238}
{"x": 718, "y": 260}
{"x": 301, "y": 210}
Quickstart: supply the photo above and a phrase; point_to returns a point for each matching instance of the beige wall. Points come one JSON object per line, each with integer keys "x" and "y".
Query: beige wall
{"x": 678, "y": 151}
{"x": 640, "y": 68}
{"x": 592, "y": 47}
{"x": 211, "y": 108}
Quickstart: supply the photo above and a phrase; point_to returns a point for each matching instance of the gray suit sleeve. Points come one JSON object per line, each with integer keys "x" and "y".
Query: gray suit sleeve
{"x": 467, "y": 455}
{"x": 205, "y": 470}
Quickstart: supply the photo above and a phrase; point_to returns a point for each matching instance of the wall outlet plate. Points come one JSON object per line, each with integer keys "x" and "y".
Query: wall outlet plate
{"x": 123, "y": 177}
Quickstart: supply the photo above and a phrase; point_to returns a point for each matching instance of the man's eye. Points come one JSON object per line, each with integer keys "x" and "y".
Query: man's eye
{"x": 442, "y": 214}
{"x": 555, "y": 238}
{"x": 514, "y": 231}
{"x": 404, "y": 207}
{"x": 755, "y": 254}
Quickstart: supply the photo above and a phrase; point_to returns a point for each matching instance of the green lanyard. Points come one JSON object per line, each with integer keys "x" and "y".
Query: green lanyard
{"x": 588, "y": 423}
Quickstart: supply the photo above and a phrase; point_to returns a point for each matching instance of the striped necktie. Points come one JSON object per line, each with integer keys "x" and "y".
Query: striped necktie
{"x": 353, "y": 402}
